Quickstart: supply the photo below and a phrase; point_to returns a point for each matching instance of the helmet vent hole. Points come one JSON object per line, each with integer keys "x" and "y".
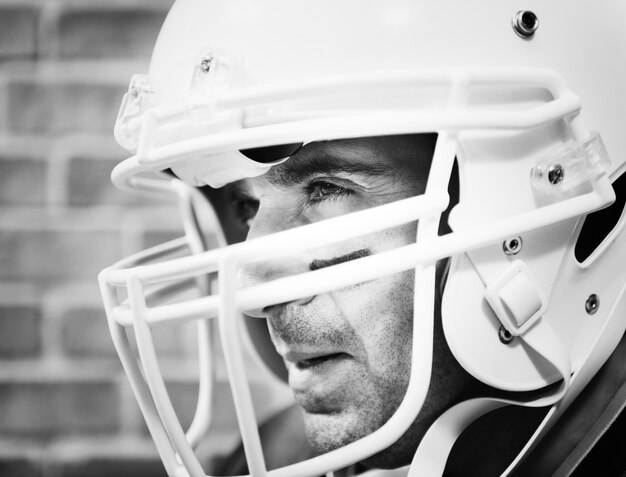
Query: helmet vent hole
{"x": 512, "y": 246}
{"x": 592, "y": 304}
{"x": 505, "y": 335}
{"x": 525, "y": 23}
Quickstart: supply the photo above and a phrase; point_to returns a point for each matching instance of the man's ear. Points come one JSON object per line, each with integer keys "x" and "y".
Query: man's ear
{"x": 221, "y": 199}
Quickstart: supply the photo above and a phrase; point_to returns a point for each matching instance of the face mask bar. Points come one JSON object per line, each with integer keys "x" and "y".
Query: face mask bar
{"x": 230, "y": 125}
{"x": 193, "y": 242}
{"x": 227, "y": 305}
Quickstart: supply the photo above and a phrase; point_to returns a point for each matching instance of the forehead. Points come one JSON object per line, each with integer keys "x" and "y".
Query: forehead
{"x": 398, "y": 156}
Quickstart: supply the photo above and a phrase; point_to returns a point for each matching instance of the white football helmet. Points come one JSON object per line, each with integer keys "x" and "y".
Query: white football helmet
{"x": 514, "y": 97}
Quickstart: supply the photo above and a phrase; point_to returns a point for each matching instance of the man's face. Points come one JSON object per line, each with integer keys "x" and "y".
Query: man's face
{"x": 347, "y": 352}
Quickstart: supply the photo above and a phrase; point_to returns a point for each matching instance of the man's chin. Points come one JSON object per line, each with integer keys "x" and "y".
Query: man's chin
{"x": 327, "y": 432}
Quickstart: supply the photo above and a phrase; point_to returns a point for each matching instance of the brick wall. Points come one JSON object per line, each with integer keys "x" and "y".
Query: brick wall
{"x": 65, "y": 406}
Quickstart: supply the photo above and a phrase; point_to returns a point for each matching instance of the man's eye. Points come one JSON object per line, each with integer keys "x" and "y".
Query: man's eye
{"x": 323, "y": 190}
{"x": 245, "y": 210}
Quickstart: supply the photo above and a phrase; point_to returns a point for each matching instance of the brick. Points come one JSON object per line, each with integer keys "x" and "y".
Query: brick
{"x": 22, "y": 181}
{"x": 85, "y": 333}
{"x": 41, "y": 106}
{"x": 22, "y": 457}
{"x": 18, "y": 31}
{"x": 18, "y": 466}
{"x": 19, "y": 331}
{"x": 97, "y": 33}
{"x": 53, "y": 254}
{"x": 107, "y": 467}
{"x": 94, "y": 456}
{"x": 45, "y": 408}
{"x": 157, "y": 237}
{"x": 90, "y": 183}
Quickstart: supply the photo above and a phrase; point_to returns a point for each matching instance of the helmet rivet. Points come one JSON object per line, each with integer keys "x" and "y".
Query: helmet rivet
{"x": 205, "y": 64}
{"x": 592, "y": 304}
{"x": 525, "y": 23}
{"x": 512, "y": 246}
{"x": 505, "y": 335}
{"x": 556, "y": 174}
{"x": 134, "y": 90}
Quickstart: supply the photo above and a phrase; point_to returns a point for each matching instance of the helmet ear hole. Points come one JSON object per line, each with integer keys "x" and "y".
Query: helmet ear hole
{"x": 598, "y": 226}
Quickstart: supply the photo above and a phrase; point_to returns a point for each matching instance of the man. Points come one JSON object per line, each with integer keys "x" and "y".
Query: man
{"x": 346, "y": 351}
{"x": 423, "y": 332}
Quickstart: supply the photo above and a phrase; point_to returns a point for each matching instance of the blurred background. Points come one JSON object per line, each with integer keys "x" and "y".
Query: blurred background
{"x": 65, "y": 406}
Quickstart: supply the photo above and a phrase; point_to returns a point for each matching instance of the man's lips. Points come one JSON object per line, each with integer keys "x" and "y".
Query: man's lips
{"x": 318, "y": 379}
{"x": 304, "y": 360}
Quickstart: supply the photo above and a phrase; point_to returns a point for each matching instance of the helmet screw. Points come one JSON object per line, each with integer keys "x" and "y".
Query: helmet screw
{"x": 525, "y": 23}
{"x": 592, "y": 304}
{"x": 505, "y": 335}
{"x": 205, "y": 64}
{"x": 134, "y": 91}
{"x": 556, "y": 174}
{"x": 512, "y": 246}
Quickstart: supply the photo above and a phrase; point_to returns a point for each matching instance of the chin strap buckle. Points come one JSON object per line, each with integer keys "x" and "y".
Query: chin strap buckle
{"x": 516, "y": 299}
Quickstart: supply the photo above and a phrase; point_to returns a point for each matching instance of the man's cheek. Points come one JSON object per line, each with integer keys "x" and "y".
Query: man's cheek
{"x": 392, "y": 294}
{"x": 381, "y": 313}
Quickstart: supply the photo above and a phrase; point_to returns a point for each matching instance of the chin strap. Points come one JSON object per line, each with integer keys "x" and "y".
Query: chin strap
{"x": 432, "y": 454}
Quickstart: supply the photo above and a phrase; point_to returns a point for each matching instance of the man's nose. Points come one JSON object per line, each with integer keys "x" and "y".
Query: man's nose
{"x": 265, "y": 270}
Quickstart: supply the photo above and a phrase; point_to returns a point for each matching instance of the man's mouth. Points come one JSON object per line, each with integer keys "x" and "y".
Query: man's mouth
{"x": 319, "y": 360}
{"x": 317, "y": 377}
{"x": 305, "y": 360}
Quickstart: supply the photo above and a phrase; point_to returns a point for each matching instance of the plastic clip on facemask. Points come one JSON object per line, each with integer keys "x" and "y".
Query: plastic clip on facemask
{"x": 138, "y": 99}
{"x": 571, "y": 170}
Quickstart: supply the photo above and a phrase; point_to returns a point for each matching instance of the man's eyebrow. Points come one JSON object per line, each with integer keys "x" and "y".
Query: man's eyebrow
{"x": 294, "y": 171}
{"x": 323, "y": 263}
